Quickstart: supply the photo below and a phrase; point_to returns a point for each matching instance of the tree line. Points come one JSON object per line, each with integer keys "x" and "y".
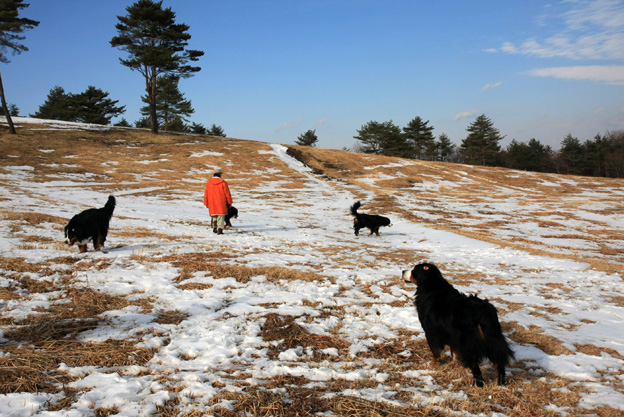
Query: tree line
{"x": 156, "y": 48}
{"x": 601, "y": 156}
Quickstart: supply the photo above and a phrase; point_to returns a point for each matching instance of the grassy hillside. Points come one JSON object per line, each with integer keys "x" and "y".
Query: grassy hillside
{"x": 556, "y": 215}
{"x": 329, "y": 328}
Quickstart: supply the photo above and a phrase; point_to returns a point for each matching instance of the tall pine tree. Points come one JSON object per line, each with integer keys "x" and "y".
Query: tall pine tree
{"x": 444, "y": 147}
{"x": 481, "y": 146}
{"x": 420, "y": 137}
{"x": 171, "y": 106}
{"x": 11, "y": 25}
{"x": 156, "y": 45}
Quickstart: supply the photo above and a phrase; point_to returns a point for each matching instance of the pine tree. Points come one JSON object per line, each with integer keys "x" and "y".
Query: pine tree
{"x": 614, "y": 159}
{"x": 571, "y": 154}
{"x": 11, "y": 25}
{"x": 532, "y": 156}
{"x": 156, "y": 45}
{"x": 94, "y": 106}
{"x": 143, "y": 123}
{"x": 382, "y": 139}
{"x": 56, "y": 106}
{"x": 90, "y": 106}
{"x": 198, "y": 129}
{"x": 216, "y": 131}
{"x": 308, "y": 138}
{"x": 170, "y": 103}
{"x": 420, "y": 137}
{"x": 444, "y": 147}
{"x": 481, "y": 146}
{"x": 122, "y": 123}
{"x": 13, "y": 110}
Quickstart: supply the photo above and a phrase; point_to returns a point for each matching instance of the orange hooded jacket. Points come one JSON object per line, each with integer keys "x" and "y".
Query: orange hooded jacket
{"x": 217, "y": 196}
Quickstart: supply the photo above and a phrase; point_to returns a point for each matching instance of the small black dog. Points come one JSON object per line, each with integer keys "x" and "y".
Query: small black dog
{"x": 232, "y": 212}
{"x": 371, "y": 221}
{"x": 91, "y": 224}
{"x": 467, "y": 324}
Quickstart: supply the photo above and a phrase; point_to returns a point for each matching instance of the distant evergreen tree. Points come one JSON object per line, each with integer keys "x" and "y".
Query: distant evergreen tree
{"x": 122, "y": 123}
{"x": 372, "y": 136}
{"x": 308, "y": 138}
{"x": 444, "y": 148}
{"x": 198, "y": 129}
{"x": 420, "y": 137}
{"x": 170, "y": 103}
{"x": 94, "y": 106}
{"x": 13, "y": 110}
{"x": 56, "y": 106}
{"x": 382, "y": 139}
{"x": 481, "y": 146}
{"x": 216, "y": 131}
{"x": 156, "y": 45}
{"x": 531, "y": 156}
{"x": 571, "y": 155}
{"x": 90, "y": 106}
{"x": 614, "y": 159}
{"x": 143, "y": 123}
{"x": 11, "y": 26}
{"x": 175, "y": 125}
{"x": 595, "y": 152}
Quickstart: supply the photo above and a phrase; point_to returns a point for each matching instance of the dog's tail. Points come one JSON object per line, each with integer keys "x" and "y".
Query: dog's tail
{"x": 110, "y": 205}
{"x": 355, "y": 207}
{"x": 498, "y": 350}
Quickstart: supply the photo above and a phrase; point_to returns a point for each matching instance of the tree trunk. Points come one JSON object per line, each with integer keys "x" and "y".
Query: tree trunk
{"x": 6, "y": 108}
{"x": 152, "y": 103}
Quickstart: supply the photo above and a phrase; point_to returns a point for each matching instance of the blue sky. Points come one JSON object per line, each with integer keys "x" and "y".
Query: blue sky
{"x": 274, "y": 69}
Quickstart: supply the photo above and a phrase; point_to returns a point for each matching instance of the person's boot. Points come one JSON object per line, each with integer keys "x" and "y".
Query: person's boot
{"x": 219, "y": 231}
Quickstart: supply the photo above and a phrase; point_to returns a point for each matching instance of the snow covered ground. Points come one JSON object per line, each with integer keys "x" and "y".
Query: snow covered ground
{"x": 303, "y": 228}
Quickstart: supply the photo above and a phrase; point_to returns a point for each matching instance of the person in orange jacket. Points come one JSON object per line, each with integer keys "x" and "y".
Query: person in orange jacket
{"x": 218, "y": 199}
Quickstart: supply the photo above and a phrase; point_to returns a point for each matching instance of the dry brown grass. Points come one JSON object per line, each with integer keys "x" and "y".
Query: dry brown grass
{"x": 290, "y": 334}
{"x": 36, "y": 345}
{"x": 34, "y": 367}
{"x": 39, "y": 343}
{"x": 481, "y": 185}
{"x": 209, "y": 262}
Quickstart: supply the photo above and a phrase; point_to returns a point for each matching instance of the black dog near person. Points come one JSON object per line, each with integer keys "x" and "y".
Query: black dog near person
{"x": 467, "y": 324}
{"x": 370, "y": 221}
{"x": 232, "y": 212}
{"x": 91, "y": 224}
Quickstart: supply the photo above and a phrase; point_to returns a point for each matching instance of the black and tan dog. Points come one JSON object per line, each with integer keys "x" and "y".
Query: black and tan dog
{"x": 467, "y": 324}
{"x": 370, "y": 221}
{"x": 91, "y": 224}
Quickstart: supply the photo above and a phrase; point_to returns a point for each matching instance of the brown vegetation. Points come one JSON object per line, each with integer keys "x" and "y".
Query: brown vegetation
{"x": 35, "y": 346}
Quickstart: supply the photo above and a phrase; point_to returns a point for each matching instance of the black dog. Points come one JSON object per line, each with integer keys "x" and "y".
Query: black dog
{"x": 467, "y": 324}
{"x": 371, "y": 221}
{"x": 91, "y": 224}
{"x": 232, "y": 212}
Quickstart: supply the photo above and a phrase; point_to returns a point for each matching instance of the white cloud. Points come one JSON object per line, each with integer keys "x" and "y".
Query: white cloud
{"x": 320, "y": 123}
{"x": 465, "y": 114}
{"x": 610, "y": 74}
{"x": 288, "y": 124}
{"x": 593, "y": 30}
{"x": 607, "y": 13}
{"x": 491, "y": 86}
